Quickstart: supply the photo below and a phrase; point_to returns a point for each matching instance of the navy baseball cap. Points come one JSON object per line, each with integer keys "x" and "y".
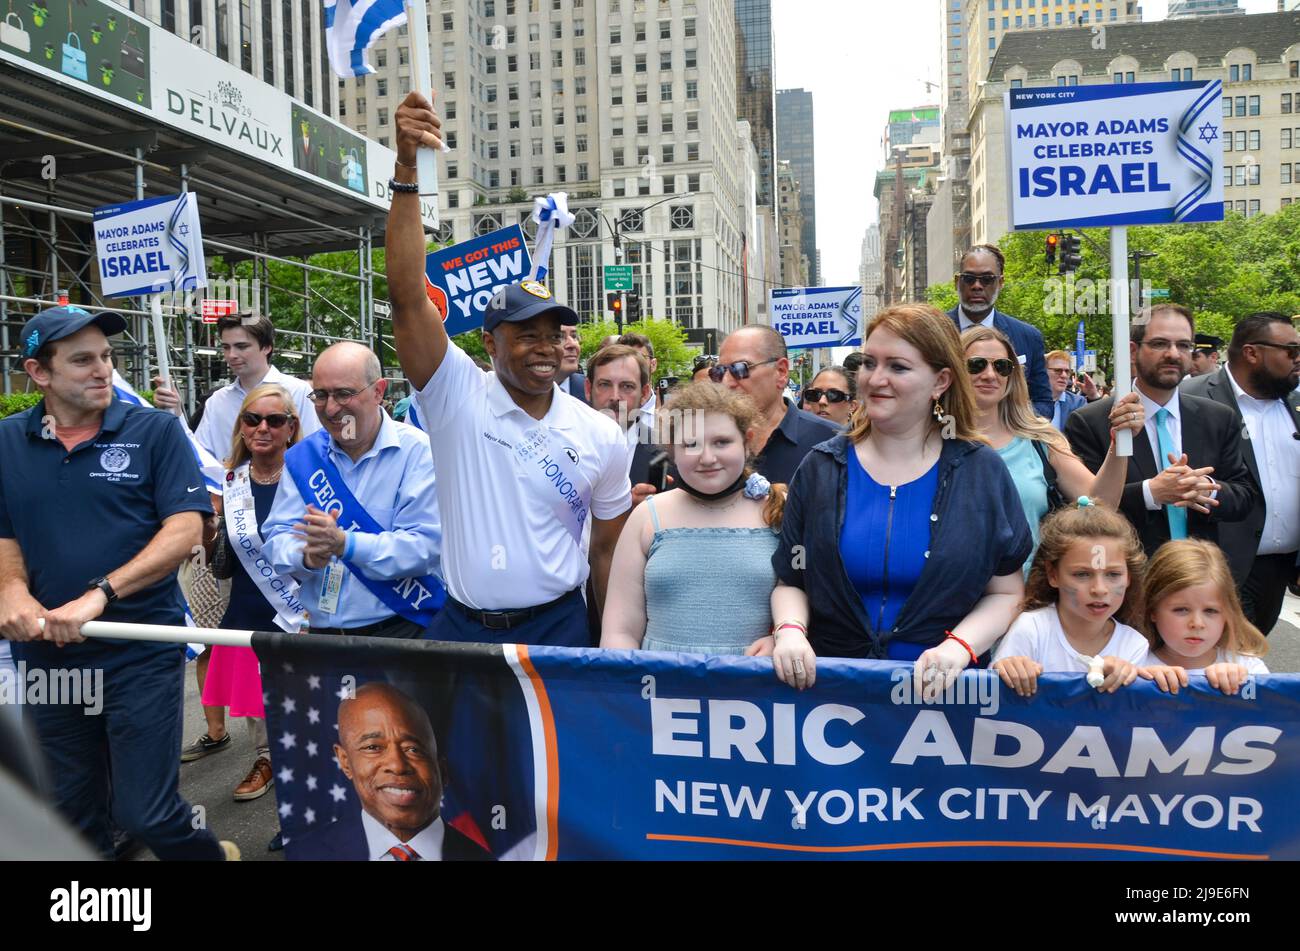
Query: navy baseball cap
{"x": 523, "y": 301}
{"x": 59, "y": 322}
{"x": 1207, "y": 344}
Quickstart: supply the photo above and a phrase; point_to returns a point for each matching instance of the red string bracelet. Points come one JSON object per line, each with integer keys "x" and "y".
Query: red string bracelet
{"x": 973, "y": 658}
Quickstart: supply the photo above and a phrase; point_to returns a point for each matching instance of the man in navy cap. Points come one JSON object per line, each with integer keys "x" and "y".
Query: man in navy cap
{"x": 100, "y": 501}
{"x": 521, "y": 469}
{"x": 1205, "y": 355}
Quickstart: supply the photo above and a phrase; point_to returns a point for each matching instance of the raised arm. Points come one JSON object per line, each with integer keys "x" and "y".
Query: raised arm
{"x": 418, "y": 330}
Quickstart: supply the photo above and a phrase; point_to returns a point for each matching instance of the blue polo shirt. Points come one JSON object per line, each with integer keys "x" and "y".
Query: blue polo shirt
{"x": 82, "y": 514}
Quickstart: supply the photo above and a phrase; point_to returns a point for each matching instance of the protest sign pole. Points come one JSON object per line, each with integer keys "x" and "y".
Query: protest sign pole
{"x": 165, "y": 633}
{"x": 1119, "y": 317}
{"x": 425, "y": 159}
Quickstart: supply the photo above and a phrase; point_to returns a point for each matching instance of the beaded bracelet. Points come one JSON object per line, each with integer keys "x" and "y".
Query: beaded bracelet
{"x": 973, "y": 659}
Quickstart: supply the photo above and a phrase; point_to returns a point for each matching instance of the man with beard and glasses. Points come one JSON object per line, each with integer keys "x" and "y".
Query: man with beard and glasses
{"x": 979, "y": 281}
{"x": 1186, "y": 474}
{"x": 1258, "y": 385}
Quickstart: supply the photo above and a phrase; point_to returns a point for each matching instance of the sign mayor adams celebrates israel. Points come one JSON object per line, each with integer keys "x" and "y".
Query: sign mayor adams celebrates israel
{"x": 1123, "y": 154}
{"x": 150, "y": 246}
{"x": 817, "y": 316}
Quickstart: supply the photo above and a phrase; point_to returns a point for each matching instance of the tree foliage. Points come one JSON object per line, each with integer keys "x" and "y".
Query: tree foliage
{"x": 1221, "y": 270}
{"x": 672, "y": 351}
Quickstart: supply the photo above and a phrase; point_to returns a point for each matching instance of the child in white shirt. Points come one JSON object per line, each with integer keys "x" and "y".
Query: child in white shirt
{"x": 1088, "y": 562}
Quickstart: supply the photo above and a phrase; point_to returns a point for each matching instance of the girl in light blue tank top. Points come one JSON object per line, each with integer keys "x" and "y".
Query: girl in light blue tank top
{"x": 692, "y": 571}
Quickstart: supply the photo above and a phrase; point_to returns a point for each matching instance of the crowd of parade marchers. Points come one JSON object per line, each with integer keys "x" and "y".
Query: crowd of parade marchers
{"x": 952, "y": 496}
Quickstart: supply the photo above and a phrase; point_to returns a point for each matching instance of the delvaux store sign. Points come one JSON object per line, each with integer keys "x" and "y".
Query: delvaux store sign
{"x": 108, "y": 52}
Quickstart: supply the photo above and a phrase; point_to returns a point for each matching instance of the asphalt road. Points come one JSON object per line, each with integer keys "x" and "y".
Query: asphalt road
{"x": 210, "y": 781}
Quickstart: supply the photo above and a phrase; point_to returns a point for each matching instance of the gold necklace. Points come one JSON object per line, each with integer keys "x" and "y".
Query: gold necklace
{"x": 273, "y": 478}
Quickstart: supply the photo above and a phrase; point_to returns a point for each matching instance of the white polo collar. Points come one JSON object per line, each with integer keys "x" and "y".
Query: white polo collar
{"x": 561, "y": 415}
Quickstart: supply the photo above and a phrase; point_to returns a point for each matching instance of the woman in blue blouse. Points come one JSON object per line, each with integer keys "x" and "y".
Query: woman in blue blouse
{"x": 902, "y": 539}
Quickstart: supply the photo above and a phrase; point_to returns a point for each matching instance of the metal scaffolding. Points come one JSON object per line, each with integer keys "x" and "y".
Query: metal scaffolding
{"x": 62, "y": 154}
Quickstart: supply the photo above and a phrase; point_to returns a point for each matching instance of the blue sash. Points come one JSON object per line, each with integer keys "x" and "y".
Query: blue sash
{"x": 320, "y": 483}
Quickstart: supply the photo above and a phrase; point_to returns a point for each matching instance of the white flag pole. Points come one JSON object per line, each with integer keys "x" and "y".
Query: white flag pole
{"x": 426, "y": 158}
{"x": 1119, "y": 317}
{"x": 160, "y": 342}
{"x": 167, "y": 633}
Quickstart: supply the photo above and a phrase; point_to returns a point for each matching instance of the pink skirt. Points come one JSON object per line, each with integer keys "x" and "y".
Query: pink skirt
{"x": 234, "y": 681}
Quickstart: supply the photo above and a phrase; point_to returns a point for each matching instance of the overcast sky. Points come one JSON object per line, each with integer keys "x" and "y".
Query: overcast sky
{"x": 860, "y": 59}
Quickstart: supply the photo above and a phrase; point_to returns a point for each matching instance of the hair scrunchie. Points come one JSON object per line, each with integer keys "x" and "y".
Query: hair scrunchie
{"x": 1085, "y": 502}
{"x": 757, "y": 487}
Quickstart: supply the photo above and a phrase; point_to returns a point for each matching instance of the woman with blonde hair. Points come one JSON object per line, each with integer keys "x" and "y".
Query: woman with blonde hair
{"x": 692, "y": 571}
{"x": 1046, "y": 472}
{"x": 903, "y": 538}
{"x": 266, "y": 426}
{"x": 1193, "y": 620}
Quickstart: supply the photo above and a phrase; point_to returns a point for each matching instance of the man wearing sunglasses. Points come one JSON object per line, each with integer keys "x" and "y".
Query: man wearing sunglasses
{"x": 356, "y": 520}
{"x": 522, "y": 470}
{"x": 754, "y": 360}
{"x": 1060, "y": 370}
{"x": 979, "y": 282}
{"x": 1258, "y": 385}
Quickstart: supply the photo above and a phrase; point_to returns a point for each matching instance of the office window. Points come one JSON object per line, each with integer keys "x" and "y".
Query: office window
{"x": 381, "y": 87}
{"x": 620, "y": 189}
{"x": 616, "y": 97}
{"x": 534, "y": 32}
{"x": 639, "y": 63}
{"x": 1240, "y": 102}
{"x": 639, "y": 32}
{"x": 617, "y": 156}
{"x": 615, "y": 35}
{"x": 1227, "y": 142}
{"x": 286, "y": 37}
{"x": 1253, "y": 208}
{"x": 558, "y": 117}
{"x": 448, "y": 80}
{"x": 666, "y": 124}
{"x": 666, "y": 61}
{"x": 514, "y": 150}
{"x": 1286, "y": 103}
{"x": 1252, "y": 141}
{"x": 692, "y": 122}
{"x": 580, "y": 114}
{"x": 693, "y": 183}
{"x": 583, "y": 173}
{"x": 557, "y": 59}
{"x": 557, "y": 30}
{"x": 361, "y": 105}
{"x": 580, "y": 143}
{"x": 579, "y": 28}
{"x": 559, "y": 146}
{"x": 1017, "y": 84}
{"x": 580, "y": 57}
{"x": 1227, "y": 176}
{"x": 688, "y": 29}
{"x": 492, "y": 122}
{"x": 535, "y": 89}
{"x": 580, "y": 85}
{"x": 1254, "y": 105}
{"x": 690, "y": 59}
{"x": 665, "y": 29}
{"x": 494, "y": 179}
{"x": 1227, "y": 107}
{"x": 1254, "y": 175}
{"x": 512, "y": 64}
{"x": 538, "y": 175}
{"x": 1234, "y": 74}
{"x": 383, "y": 116}
{"x": 1239, "y": 176}
{"x": 665, "y": 92}
{"x": 535, "y": 117}
{"x": 512, "y": 92}
{"x": 668, "y": 155}
{"x": 641, "y": 95}
{"x": 1286, "y": 138}
{"x": 453, "y": 199}
{"x": 1286, "y": 173}
{"x": 616, "y": 65}
{"x": 452, "y": 170}
{"x": 537, "y": 147}
{"x": 1241, "y": 141}
{"x": 1246, "y": 72}
{"x": 692, "y": 151}
{"x": 692, "y": 89}
{"x": 557, "y": 87}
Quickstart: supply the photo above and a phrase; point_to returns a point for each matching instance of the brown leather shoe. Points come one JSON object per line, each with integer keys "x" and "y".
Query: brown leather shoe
{"x": 257, "y": 782}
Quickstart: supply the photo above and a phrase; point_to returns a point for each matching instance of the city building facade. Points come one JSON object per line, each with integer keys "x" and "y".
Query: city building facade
{"x": 795, "y": 143}
{"x": 1257, "y": 56}
{"x": 755, "y": 92}
{"x": 794, "y": 263}
{"x": 1183, "y": 9}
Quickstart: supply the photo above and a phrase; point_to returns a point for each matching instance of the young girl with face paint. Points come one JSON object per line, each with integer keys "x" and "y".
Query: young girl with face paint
{"x": 1084, "y": 579}
{"x": 1193, "y": 620}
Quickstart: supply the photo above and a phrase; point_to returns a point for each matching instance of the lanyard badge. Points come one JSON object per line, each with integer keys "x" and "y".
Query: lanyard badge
{"x": 333, "y": 584}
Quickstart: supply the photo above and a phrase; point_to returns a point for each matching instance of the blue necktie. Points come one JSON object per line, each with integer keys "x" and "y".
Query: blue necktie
{"x": 1177, "y": 516}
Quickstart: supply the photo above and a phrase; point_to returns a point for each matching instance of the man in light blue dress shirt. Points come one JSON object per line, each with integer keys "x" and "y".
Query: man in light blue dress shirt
{"x": 387, "y": 468}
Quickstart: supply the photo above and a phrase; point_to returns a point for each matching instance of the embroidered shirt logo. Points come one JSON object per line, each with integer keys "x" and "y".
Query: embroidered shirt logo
{"x": 115, "y": 460}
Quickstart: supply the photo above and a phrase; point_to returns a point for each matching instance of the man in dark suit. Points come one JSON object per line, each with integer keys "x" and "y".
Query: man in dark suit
{"x": 1060, "y": 369}
{"x": 387, "y": 748}
{"x": 978, "y": 284}
{"x": 1169, "y": 491}
{"x": 1258, "y": 385}
{"x": 570, "y": 377}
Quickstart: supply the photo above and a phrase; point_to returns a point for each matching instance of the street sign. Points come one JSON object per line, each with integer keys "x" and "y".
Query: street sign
{"x": 1158, "y": 292}
{"x": 214, "y": 307}
{"x": 383, "y": 308}
{"x": 618, "y": 277}
{"x": 1089, "y": 362}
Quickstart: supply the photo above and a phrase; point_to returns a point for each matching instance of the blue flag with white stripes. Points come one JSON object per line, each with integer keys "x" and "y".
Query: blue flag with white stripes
{"x": 351, "y": 28}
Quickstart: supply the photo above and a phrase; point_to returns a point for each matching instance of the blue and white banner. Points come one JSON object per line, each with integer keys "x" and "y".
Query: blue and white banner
{"x": 586, "y": 754}
{"x": 152, "y": 246}
{"x": 352, "y": 28}
{"x": 1120, "y": 154}
{"x": 817, "y": 316}
{"x": 213, "y": 471}
{"x": 461, "y": 279}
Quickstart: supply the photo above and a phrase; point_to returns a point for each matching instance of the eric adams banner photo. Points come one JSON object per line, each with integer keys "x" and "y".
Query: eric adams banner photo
{"x": 404, "y": 749}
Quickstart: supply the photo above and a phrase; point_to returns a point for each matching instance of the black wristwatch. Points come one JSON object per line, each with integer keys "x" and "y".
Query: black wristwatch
{"x": 103, "y": 585}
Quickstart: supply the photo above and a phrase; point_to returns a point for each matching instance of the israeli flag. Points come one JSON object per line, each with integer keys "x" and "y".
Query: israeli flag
{"x": 212, "y": 469}
{"x": 351, "y": 28}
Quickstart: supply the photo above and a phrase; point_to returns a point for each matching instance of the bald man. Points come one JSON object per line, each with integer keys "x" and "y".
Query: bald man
{"x": 356, "y": 519}
{"x": 387, "y": 748}
{"x": 754, "y": 360}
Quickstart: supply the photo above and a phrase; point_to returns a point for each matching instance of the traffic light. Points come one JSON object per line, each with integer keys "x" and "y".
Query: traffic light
{"x": 633, "y": 305}
{"x": 614, "y": 303}
{"x": 1071, "y": 257}
{"x": 1052, "y": 241}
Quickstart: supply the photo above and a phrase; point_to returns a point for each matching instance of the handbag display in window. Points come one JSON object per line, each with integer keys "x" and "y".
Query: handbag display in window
{"x": 133, "y": 55}
{"x": 13, "y": 34}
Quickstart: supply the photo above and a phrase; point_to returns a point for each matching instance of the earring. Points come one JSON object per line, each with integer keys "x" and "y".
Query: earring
{"x": 938, "y": 412}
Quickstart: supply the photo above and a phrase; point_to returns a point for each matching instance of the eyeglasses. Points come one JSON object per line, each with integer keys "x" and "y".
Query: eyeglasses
{"x": 274, "y": 420}
{"x": 1065, "y": 370}
{"x": 1292, "y": 349}
{"x": 813, "y": 395}
{"x": 341, "y": 396}
{"x": 970, "y": 280}
{"x": 977, "y": 365}
{"x": 1182, "y": 346}
{"x": 740, "y": 369}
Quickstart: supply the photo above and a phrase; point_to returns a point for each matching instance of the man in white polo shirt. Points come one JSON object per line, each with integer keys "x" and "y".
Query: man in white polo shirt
{"x": 521, "y": 469}
{"x": 247, "y": 341}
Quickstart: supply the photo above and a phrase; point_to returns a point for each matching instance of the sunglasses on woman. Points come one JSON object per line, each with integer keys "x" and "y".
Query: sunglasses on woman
{"x": 740, "y": 369}
{"x": 812, "y": 395}
{"x": 274, "y": 420}
{"x": 1002, "y": 366}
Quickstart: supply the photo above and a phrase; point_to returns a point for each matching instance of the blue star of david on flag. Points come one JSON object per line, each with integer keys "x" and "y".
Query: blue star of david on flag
{"x": 1208, "y": 133}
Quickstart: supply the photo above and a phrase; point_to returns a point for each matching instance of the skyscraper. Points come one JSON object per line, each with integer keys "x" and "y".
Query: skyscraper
{"x": 755, "y": 101}
{"x": 794, "y": 143}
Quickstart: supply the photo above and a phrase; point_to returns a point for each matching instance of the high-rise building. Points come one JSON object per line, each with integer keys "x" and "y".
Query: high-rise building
{"x": 281, "y": 42}
{"x": 794, "y": 143}
{"x": 755, "y": 94}
{"x": 1257, "y": 57}
{"x": 972, "y": 32}
{"x": 869, "y": 273}
{"x": 794, "y": 263}
{"x": 629, "y": 107}
{"x": 1182, "y": 9}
